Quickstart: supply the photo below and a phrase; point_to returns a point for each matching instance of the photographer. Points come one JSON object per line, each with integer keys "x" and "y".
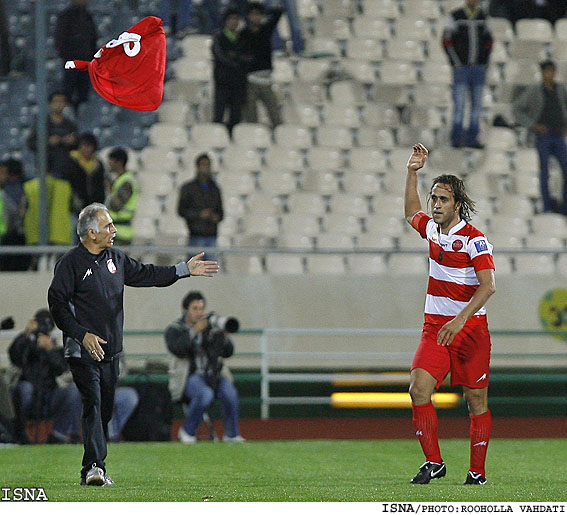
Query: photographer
{"x": 37, "y": 395}
{"x": 199, "y": 339}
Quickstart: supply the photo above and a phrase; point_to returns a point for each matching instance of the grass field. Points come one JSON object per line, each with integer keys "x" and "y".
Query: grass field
{"x": 309, "y": 470}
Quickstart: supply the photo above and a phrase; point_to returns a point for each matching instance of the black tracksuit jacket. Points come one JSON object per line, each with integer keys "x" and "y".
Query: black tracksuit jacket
{"x": 87, "y": 292}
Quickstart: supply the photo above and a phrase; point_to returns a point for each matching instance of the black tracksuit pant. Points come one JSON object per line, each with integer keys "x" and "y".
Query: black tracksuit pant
{"x": 96, "y": 382}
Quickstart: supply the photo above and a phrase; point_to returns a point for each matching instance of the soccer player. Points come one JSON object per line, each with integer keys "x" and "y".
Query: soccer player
{"x": 455, "y": 333}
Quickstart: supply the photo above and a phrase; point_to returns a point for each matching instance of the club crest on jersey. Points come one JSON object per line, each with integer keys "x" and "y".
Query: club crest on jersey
{"x": 481, "y": 246}
{"x": 110, "y": 265}
{"x": 457, "y": 245}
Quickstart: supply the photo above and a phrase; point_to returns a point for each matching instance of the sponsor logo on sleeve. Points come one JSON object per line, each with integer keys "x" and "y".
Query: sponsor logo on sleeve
{"x": 481, "y": 246}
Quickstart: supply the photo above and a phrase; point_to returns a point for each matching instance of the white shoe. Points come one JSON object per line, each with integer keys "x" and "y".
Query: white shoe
{"x": 184, "y": 437}
{"x": 237, "y": 438}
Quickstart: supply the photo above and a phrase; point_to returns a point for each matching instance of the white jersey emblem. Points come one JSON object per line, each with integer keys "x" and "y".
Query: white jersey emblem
{"x": 111, "y": 267}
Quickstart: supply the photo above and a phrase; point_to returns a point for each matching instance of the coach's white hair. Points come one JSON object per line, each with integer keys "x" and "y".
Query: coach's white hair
{"x": 88, "y": 218}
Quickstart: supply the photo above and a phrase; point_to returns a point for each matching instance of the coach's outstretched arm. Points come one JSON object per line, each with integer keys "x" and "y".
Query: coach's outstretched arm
{"x": 412, "y": 202}
{"x": 199, "y": 267}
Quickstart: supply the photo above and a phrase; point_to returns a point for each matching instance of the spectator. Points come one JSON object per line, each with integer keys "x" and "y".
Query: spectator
{"x": 126, "y": 401}
{"x": 256, "y": 42}
{"x": 36, "y": 395}
{"x": 229, "y": 71}
{"x": 76, "y": 38}
{"x": 200, "y": 204}
{"x": 468, "y": 43}
{"x": 542, "y": 108}
{"x": 12, "y": 208}
{"x": 61, "y": 135}
{"x": 85, "y": 173}
{"x": 58, "y": 211}
{"x": 193, "y": 339}
{"x": 123, "y": 199}
{"x": 5, "y": 53}
{"x": 290, "y": 7}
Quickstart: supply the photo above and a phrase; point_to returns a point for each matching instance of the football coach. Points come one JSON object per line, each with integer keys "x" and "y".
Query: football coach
{"x": 86, "y": 300}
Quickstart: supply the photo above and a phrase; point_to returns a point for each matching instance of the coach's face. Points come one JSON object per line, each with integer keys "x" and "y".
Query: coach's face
{"x": 104, "y": 238}
{"x": 445, "y": 210}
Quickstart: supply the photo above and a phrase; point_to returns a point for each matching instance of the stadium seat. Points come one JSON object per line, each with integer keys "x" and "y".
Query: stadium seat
{"x": 398, "y": 73}
{"x": 503, "y": 264}
{"x": 158, "y": 159}
{"x": 534, "y": 30}
{"x": 527, "y": 49}
{"x": 377, "y": 138}
{"x": 527, "y": 184}
{"x": 419, "y": 29}
{"x": 283, "y": 264}
{"x": 496, "y": 160}
{"x": 264, "y": 225}
{"x": 406, "y": 50}
{"x": 434, "y": 72}
{"x": 233, "y": 205}
{"x": 322, "y": 182}
{"x": 330, "y": 26}
{"x": 384, "y": 9}
{"x": 324, "y": 158}
{"x": 522, "y": 73}
{"x": 295, "y": 241}
{"x": 370, "y": 26}
{"x": 534, "y": 265}
{"x": 341, "y": 223}
{"x": 422, "y": 9}
{"x": 309, "y": 116}
{"x": 252, "y": 135}
{"x": 386, "y": 222}
{"x": 362, "y": 183}
{"x": 323, "y": 46}
{"x": 236, "y": 182}
{"x": 549, "y": 224}
{"x": 545, "y": 242}
{"x": 307, "y": 93}
{"x": 277, "y": 181}
{"x": 197, "y": 45}
{"x": 144, "y": 230}
{"x": 505, "y": 241}
{"x": 501, "y": 29}
{"x": 334, "y": 136}
{"x": 242, "y": 264}
{"x": 391, "y": 206}
{"x": 193, "y": 69}
{"x": 312, "y": 70}
{"x": 174, "y": 112}
{"x": 293, "y": 136}
{"x": 240, "y": 158}
{"x": 365, "y": 48}
{"x": 363, "y": 160}
{"x": 410, "y": 241}
{"x": 501, "y": 138}
{"x": 334, "y": 240}
{"x": 325, "y": 264}
{"x": 512, "y": 225}
{"x": 308, "y": 203}
{"x": 380, "y": 115}
{"x": 168, "y": 135}
{"x": 362, "y": 71}
{"x": 369, "y": 241}
{"x": 282, "y": 71}
{"x": 307, "y": 225}
{"x": 407, "y": 264}
{"x": 268, "y": 203}
{"x": 367, "y": 264}
{"x": 210, "y": 135}
{"x": 513, "y": 204}
{"x": 308, "y": 8}
{"x": 285, "y": 158}
{"x": 346, "y": 93}
{"x": 230, "y": 225}
{"x": 343, "y": 116}
{"x": 339, "y": 8}
{"x": 356, "y": 205}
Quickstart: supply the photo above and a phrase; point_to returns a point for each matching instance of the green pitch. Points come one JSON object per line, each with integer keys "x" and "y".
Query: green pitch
{"x": 330, "y": 470}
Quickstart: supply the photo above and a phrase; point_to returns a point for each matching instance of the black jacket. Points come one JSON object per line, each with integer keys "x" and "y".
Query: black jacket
{"x": 230, "y": 61}
{"x": 192, "y": 200}
{"x": 87, "y": 292}
{"x": 467, "y": 40}
{"x": 257, "y": 43}
{"x": 87, "y": 187}
{"x": 39, "y": 366}
{"x": 75, "y": 34}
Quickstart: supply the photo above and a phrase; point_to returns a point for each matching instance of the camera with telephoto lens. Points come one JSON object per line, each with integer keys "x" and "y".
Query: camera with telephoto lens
{"x": 227, "y": 324}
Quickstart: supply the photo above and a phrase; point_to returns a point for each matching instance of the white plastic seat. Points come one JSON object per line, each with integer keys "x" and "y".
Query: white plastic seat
{"x": 236, "y": 182}
{"x": 534, "y": 265}
{"x": 422, "y": 9}
{"x": 308, "y": 203}
{"x": 324, "y": 158}
{"x": 213, "y": 135}
{"x": 514, "y": 204}
{"x": 312, "y": 70}
{"x": 527, "y": 49}
{"x": 252, "y": 135}
{"x": 346, "y": 93}
{"x": 307, "y": 8}
{"x": 341, "y": 223}
{"x": 197, "y": 45}
{"x": 527, "y": 184}
{"x": 381, "y": 115}
{"x": 307, "y": 93}
{"x": 368, "y": 241}
{"x": 406, "y": 50}
{"x": 283, "y": 264}
{"x": 501, "y": 29}
{"x": 561, "y": 265}
{"x": 398, "y": 73}
{"x": 159, "y": 159}
{"x": 334, "y": 240}
{"x": 285, "y": 158}
{"x": 410, "y": 241}
{"x": 331, "y": 27}
{"x": 295, "y": 241}
{"x": 534, "y": 30}
{"x": 501, "y": 138}
{"x": 277, "y": 181}
{"x": 495, "y": 161}
{"x": 168, "y": 135}
{"x": 263, "y": 203}
{"x": 309, "y": 116}
{"x": 265, "y": 225}
{"x": 386, "y": 223}
{"x": 545, "y": 242}
{"x": 332, "y": 135}
{"x": 364, "y": 48}
{"x": 512, "y": 225}
{"x": 362, "y": 183}
{"x": 193, "y": 69}
{"x": 292, "y": 136}
{"x": 230, "y": 225}
{"x": 522, "y": 73}
{"x": 363, "y": 160}
{"x": 175, "y": 112}
{"x": 369, "y": 26}
{"x": 241, "y": 158}
{"x": 144, "y": 229}
{"x": 383, "y": 9}
{"x": 418, "y": 28}
{"x": 325, "y": 264}
{"x": 321, "y": 182}
{"x": 356, "y": 205}
{"x": 282, "y": 72}
{"x": 307, "y": 225}
{"x": 549, "y": 224}
{"x": 434, "y": 72}
{"x": 503, "y": 265}
{"x": 376, "y": 138}
{"x": 233, "y": 205}
{"x": 407, "y": 264}
{"x": 239, "y": 265}
{"x": 339, "y": 115}
{"x": 362, "y": 71}
{"x": 324, "y": 46}
{"x": 505, "y": 241}
{"x": 339, "y": 8}
{"x": 367, "y": 264}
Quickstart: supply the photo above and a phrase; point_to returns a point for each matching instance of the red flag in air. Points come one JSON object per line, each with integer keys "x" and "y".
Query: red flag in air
{"x": 129, "y": 71}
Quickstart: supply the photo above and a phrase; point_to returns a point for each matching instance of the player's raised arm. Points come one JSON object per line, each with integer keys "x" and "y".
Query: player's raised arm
{"x": 412, "y": 202}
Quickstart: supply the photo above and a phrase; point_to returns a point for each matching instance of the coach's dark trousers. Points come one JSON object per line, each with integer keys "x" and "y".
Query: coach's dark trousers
{"x": 96, "y": 382}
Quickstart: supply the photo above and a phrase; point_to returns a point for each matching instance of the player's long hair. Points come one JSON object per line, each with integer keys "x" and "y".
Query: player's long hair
{"x": 467, "y": 208}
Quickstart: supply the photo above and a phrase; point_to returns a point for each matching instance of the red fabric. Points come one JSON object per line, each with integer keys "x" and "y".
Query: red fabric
{"x": 425, "y": 424}
{"x": 131, "y": 74}
{"x": 480, "y": 429}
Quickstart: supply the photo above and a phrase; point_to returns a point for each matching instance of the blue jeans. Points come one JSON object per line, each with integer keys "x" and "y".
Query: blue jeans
{"x": 551, "y": 145}
{"x": 467, "y": 80}
{"x": 126, "y": 401}
{"x": 63, "y": 404}
{"x": 290, "y": 7}
{"x": 202, "y": 396}
{"x": 203, "y": 242}
{"x": 204, "y": 16}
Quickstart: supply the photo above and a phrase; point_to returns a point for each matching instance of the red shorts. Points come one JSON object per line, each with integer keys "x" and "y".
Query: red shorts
{"x": 467, "y": 358}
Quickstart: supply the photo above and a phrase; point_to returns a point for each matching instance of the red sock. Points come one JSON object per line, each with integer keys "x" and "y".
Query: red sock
{"x": 425, "y": 425}
{"x": 480, "y": 436}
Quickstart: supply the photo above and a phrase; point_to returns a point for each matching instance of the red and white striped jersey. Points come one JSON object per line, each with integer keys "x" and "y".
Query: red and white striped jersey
{"x": 454, "y": 259}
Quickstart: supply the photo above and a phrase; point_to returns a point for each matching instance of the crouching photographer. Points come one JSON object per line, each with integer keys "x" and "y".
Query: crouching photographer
{"x": 36, "y": 394}
{"x": 199, "y": 376}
